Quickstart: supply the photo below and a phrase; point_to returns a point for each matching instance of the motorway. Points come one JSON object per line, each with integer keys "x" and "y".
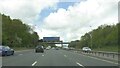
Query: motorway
{"x": 53, "y": 58}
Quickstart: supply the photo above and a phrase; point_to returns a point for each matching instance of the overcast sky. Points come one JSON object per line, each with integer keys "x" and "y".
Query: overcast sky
{"x": 67, "y": 19}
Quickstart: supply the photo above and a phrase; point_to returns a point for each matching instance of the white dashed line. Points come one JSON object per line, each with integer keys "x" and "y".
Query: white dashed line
{"x": 34, "y": 63}
{"x": 79, "y": 64}
{"x": 43, "y": 55}
{"x": 101, "y": 59}
{"x": 20, "y": 54}
{"x": 65, "y": 55}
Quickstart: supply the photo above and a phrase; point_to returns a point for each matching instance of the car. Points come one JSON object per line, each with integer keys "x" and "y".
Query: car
{"x": 86, "y": 49}
{"x": 39, "y": 48}
{"x": 6, "y": 51}
{"x": 57, "y": 48}
{"x": 71, "y": 48}
{"x": 53, "y": 48}
{"x": 47, "y": 48}
{"x": 44, "y": 47}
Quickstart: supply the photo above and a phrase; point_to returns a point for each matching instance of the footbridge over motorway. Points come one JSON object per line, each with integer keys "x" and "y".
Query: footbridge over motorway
{"x": 53, "y": 40}
{"x": 57, "y": 42}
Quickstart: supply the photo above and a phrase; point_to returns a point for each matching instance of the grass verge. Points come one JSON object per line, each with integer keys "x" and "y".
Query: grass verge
{"x": 109, "y": 49}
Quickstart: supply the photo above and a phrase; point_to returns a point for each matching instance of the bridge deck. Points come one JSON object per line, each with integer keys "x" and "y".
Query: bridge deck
{"x": 57, "y": 42}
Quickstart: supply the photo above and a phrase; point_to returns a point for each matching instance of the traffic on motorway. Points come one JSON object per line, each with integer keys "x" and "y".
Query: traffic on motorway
{"x": 6, "y": 51}
{"x": 54, "y": 56}
{"x": 78, "y": 33}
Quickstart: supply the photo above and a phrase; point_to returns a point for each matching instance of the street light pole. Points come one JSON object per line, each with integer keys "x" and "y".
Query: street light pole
{"x": 91, "y": 39}
{"x": 91, "y": 36}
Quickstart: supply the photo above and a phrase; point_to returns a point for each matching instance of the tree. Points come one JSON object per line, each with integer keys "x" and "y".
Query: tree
{"x": 17, "y": 34}
{"x": 103, "y": 36}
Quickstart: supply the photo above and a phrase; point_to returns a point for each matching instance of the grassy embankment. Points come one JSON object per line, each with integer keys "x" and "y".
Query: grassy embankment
{"x": 109, "y": 49}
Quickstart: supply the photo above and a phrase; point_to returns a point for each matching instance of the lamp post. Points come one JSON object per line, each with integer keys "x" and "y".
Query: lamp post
{"x": 91, "y": 37}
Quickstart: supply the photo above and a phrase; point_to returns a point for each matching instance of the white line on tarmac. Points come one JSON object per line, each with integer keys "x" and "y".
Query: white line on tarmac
{"x": 34, "y": 63}
{"x": 20, "y": 54}
{"x": 101, "y": 59}
{"x": 65, "y": 55}
{"x": 79, "y": 64}
{"x": 43, "y": 55}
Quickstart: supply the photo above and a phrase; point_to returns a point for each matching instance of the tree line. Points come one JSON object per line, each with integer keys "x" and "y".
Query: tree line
{"x": 103, "y": 36}
{"x": 15, "y": 33}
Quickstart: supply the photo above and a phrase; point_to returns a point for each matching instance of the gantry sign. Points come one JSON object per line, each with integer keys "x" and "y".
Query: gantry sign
{"x": 53, "y": 40}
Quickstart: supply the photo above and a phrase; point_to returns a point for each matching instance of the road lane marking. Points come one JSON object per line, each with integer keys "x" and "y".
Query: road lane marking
{"x": 65, "y": 55}
{"x": 20, "y": 54}
{"x": 79, "y": 64}
{"x": 97, "y": 58}
{"x": 34, "y": 63}
{"x": 43, "y": 55}
{"x": 101, "y": 59}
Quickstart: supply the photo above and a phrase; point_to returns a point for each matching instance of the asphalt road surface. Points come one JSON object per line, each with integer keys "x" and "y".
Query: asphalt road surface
{"x": 53, "y": 58}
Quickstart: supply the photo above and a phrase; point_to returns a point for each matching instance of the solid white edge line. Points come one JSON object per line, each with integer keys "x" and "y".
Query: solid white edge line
{"x": 101, "y": 59}
{"x": 34, "y": 63}
{"x": 104, "y": 60}
{"x": 79, "y": 64}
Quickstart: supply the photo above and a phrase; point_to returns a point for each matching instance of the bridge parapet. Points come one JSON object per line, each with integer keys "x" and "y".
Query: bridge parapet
{"x": 57, "y": 42}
